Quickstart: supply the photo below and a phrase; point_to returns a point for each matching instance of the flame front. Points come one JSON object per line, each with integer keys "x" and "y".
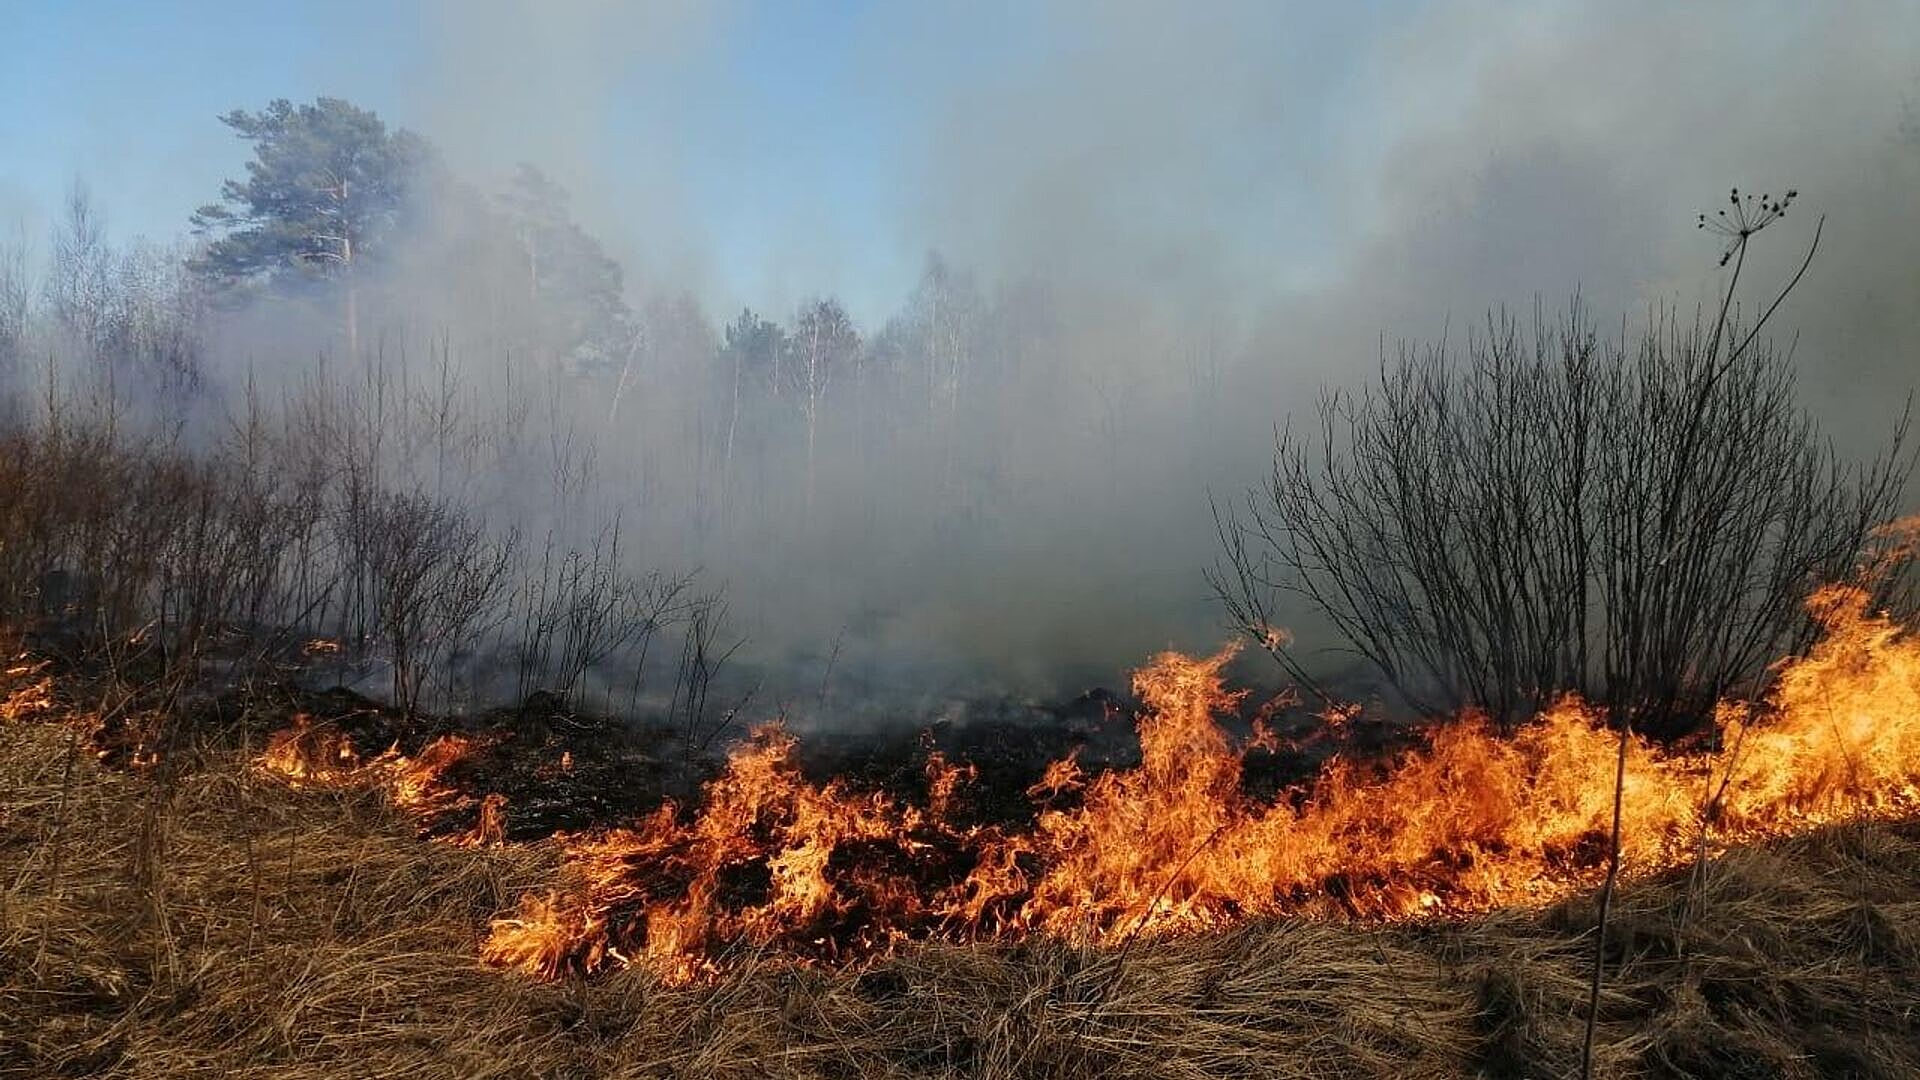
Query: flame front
{"x": 1472, "y": 821}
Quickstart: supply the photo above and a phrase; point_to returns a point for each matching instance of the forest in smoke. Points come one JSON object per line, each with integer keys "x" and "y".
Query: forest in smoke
{"x": 828, "y": 488}
{"x": 992, "y": 472}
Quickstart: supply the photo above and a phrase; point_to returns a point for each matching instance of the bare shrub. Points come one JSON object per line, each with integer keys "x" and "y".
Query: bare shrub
{"x": 701, "y": 659}
{"x": 1556, "y": 510}
{"x": 345, "y": 511}
{"x": 581, "y": 608}
{"x": 433, "y": 571}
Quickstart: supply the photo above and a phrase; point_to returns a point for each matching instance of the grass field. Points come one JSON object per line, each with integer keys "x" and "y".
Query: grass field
{"x": 206, "y": 921}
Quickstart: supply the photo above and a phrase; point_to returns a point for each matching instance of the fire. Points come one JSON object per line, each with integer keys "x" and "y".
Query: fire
{"x": 307, "y": 754}
{"x": 311, "y": 754}
{"x": 31, "y": 691}
{"x": 769, "y": 861}
{"x": 1470, "y": 822}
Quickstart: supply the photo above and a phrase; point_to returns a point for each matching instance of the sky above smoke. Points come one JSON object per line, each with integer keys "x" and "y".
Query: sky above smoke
{"x": 1239, "y": 152}
{"x": 760, "y": 152}
{"x": 1287, "y": 184}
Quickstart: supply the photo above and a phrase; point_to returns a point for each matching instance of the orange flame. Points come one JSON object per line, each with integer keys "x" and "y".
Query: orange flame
{"x": 1469, "y": 822}
{"x": 310, "y": 754}
{"x": 27, "y": 702}
{"x": 26, "y": 690}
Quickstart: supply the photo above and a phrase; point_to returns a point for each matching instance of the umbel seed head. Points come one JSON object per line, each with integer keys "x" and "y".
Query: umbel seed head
{"x": 1750, "y": 215}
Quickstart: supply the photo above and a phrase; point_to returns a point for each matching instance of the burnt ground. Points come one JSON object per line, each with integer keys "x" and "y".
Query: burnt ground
{"x": 561, "y": 768}
{"x": 1010, "y": 745}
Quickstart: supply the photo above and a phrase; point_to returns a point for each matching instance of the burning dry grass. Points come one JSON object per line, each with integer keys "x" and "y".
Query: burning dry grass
{"x": 214, "y": 922}
{"x": 1470, "y": 823}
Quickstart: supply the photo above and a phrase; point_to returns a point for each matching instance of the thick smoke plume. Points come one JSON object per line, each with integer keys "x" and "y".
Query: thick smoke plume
{"x": 1100, "y": 250}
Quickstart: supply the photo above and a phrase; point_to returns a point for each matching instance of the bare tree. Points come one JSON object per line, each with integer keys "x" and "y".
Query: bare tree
{"x": 79, "y": 272}
{"x": 16, "y": 299}
{"x": 823, "y": 342}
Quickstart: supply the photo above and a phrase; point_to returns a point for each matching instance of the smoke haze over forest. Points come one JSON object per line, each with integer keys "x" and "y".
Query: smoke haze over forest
{"x": 1089, "y": 256}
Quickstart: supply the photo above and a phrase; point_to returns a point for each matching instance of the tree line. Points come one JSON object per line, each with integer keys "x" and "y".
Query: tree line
{"x": 1634, "y": 517}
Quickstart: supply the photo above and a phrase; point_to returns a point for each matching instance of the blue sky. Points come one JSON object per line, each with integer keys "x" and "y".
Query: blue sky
{"x": 757, "y": 150}
{"x": 126, "y": 95}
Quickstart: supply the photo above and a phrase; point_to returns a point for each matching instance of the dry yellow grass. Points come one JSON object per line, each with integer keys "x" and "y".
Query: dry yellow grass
{"x": 209, "y": 923}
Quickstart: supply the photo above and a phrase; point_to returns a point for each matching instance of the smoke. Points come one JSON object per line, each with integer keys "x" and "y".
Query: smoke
{"x": 1571, "y": 146}
{"x": 593, "y": 92}
{"x": 1162, "y": 234}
